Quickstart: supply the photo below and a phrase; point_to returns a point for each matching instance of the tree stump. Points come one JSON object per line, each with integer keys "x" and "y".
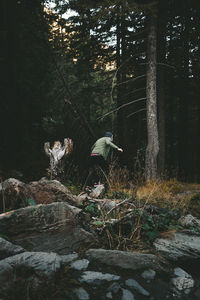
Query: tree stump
{"x": 57, "y": 155}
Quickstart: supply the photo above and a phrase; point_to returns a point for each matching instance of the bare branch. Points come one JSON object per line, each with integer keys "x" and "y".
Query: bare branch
{"x": 166, "y": 65}
{"x": 72, "y": 104}
{"x": 162, "y": 64}
{"x": 131, "y": 80}
{"x": 119, "y": 204}
{"x": 123, "y": 105}
{"x": 136, "y": 112}
{"x": 115, "y": 75}
{"x": 135, "y": 91}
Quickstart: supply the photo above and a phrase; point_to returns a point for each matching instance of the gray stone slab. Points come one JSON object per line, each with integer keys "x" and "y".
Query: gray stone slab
{"x": 132, "y": 283}
{"x": 91, "y": 277}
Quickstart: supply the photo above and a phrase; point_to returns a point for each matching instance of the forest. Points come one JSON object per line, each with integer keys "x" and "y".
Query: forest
{"x": 76, "y": 69}
{"x": 72, "y": 72}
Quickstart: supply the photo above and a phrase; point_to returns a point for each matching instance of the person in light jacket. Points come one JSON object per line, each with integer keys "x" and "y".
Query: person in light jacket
{"x": 98, "y": 158}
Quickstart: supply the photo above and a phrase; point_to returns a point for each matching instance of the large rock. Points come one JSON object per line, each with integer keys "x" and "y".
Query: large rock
{"x": 48, "y": 191}
{"x": 127, "y": 295}
{"x": 14, "y": 194}
{"x": 44, "y": 265}
{"x": 182, "y": 280}
{"x": 81, "y": 294}
{"x": 92, "y": 277}
{"x": 52, "y": 227}
{"x": 190, "y": 221}
{"x": 8, "y": 249}
{"x": 126, "y": 260}
{"x": 17, "y": 194}
{"x": 132, "y": 283}
{"x": 180, "y": 246}
{"x": 54, "y": 274}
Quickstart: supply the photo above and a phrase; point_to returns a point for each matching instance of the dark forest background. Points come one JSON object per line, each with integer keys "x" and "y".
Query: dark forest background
{"x": 61, "y": 74}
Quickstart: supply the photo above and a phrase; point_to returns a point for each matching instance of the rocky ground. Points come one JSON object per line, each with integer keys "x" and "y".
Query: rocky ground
{"x": 55, "y": 245}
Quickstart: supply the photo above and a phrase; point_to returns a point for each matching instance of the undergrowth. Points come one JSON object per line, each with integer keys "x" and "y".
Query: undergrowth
{"x": 152, "y": 210}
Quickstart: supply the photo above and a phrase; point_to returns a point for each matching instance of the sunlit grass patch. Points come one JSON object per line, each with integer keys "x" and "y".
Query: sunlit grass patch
{"x": 170, "y": 193}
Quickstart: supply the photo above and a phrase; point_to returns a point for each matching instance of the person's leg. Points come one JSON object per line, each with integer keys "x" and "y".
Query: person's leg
{"x": 103, "y": 169}
{"x": 92, "y": 176}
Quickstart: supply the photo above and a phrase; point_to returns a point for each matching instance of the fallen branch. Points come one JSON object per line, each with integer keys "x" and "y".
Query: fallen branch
{"x": 117, "y": 221}
{"x": 119, "y": 204}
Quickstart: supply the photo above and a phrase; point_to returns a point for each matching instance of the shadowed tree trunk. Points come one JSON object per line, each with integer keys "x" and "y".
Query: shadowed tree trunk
{"x": 152, "y": 149}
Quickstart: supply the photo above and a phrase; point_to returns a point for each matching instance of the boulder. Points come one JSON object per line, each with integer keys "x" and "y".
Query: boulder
{"x": 126, "y": 260}
{"x": 65, "y": 276}
{"x": 127, "y": 295}
{"x": 148, "y": 274}
{"x": 80, "y": 264}
{"x": 6, "y": 272}
{"x": 52, "y": 227}
{"x": 14, "y": 194}
{"x": 8, "y": 249}
{"x": 17, "y": 194}
{"x": 66, "y": 259}
{"x": 132, "y": 283}
{"x": 81, "y": 294}
{"x": 114, "y": 288}
{"x": 43, "y": 266}
{"x": 190, "y": 221}
{"x": 47, "y": 191}
{"x": 179, "y": 246}
{"x": 92, "y": 277}
{"x": 182, "y": 280}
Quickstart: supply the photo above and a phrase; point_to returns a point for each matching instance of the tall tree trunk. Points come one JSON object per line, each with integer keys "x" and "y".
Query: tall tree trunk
{"x": 151, "y": 171}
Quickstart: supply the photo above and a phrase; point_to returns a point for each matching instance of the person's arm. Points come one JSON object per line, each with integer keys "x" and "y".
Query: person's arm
{"x": 108, "y": 142}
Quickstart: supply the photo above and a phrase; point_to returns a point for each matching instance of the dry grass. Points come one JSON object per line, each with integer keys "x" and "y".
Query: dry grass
{"x": 119, "y": 182}
{"x": 119, "y": 177}
{"x": 169, "y": 193}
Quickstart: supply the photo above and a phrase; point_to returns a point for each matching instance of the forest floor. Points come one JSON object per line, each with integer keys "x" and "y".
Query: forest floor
{"x": 145, "y": 212}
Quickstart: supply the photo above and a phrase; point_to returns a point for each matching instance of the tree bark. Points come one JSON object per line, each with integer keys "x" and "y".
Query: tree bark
{"x": 151, "y": 171}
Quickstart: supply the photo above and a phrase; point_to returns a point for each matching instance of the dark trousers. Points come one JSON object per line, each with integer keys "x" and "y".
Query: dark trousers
{"x": 98, "y": 168}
